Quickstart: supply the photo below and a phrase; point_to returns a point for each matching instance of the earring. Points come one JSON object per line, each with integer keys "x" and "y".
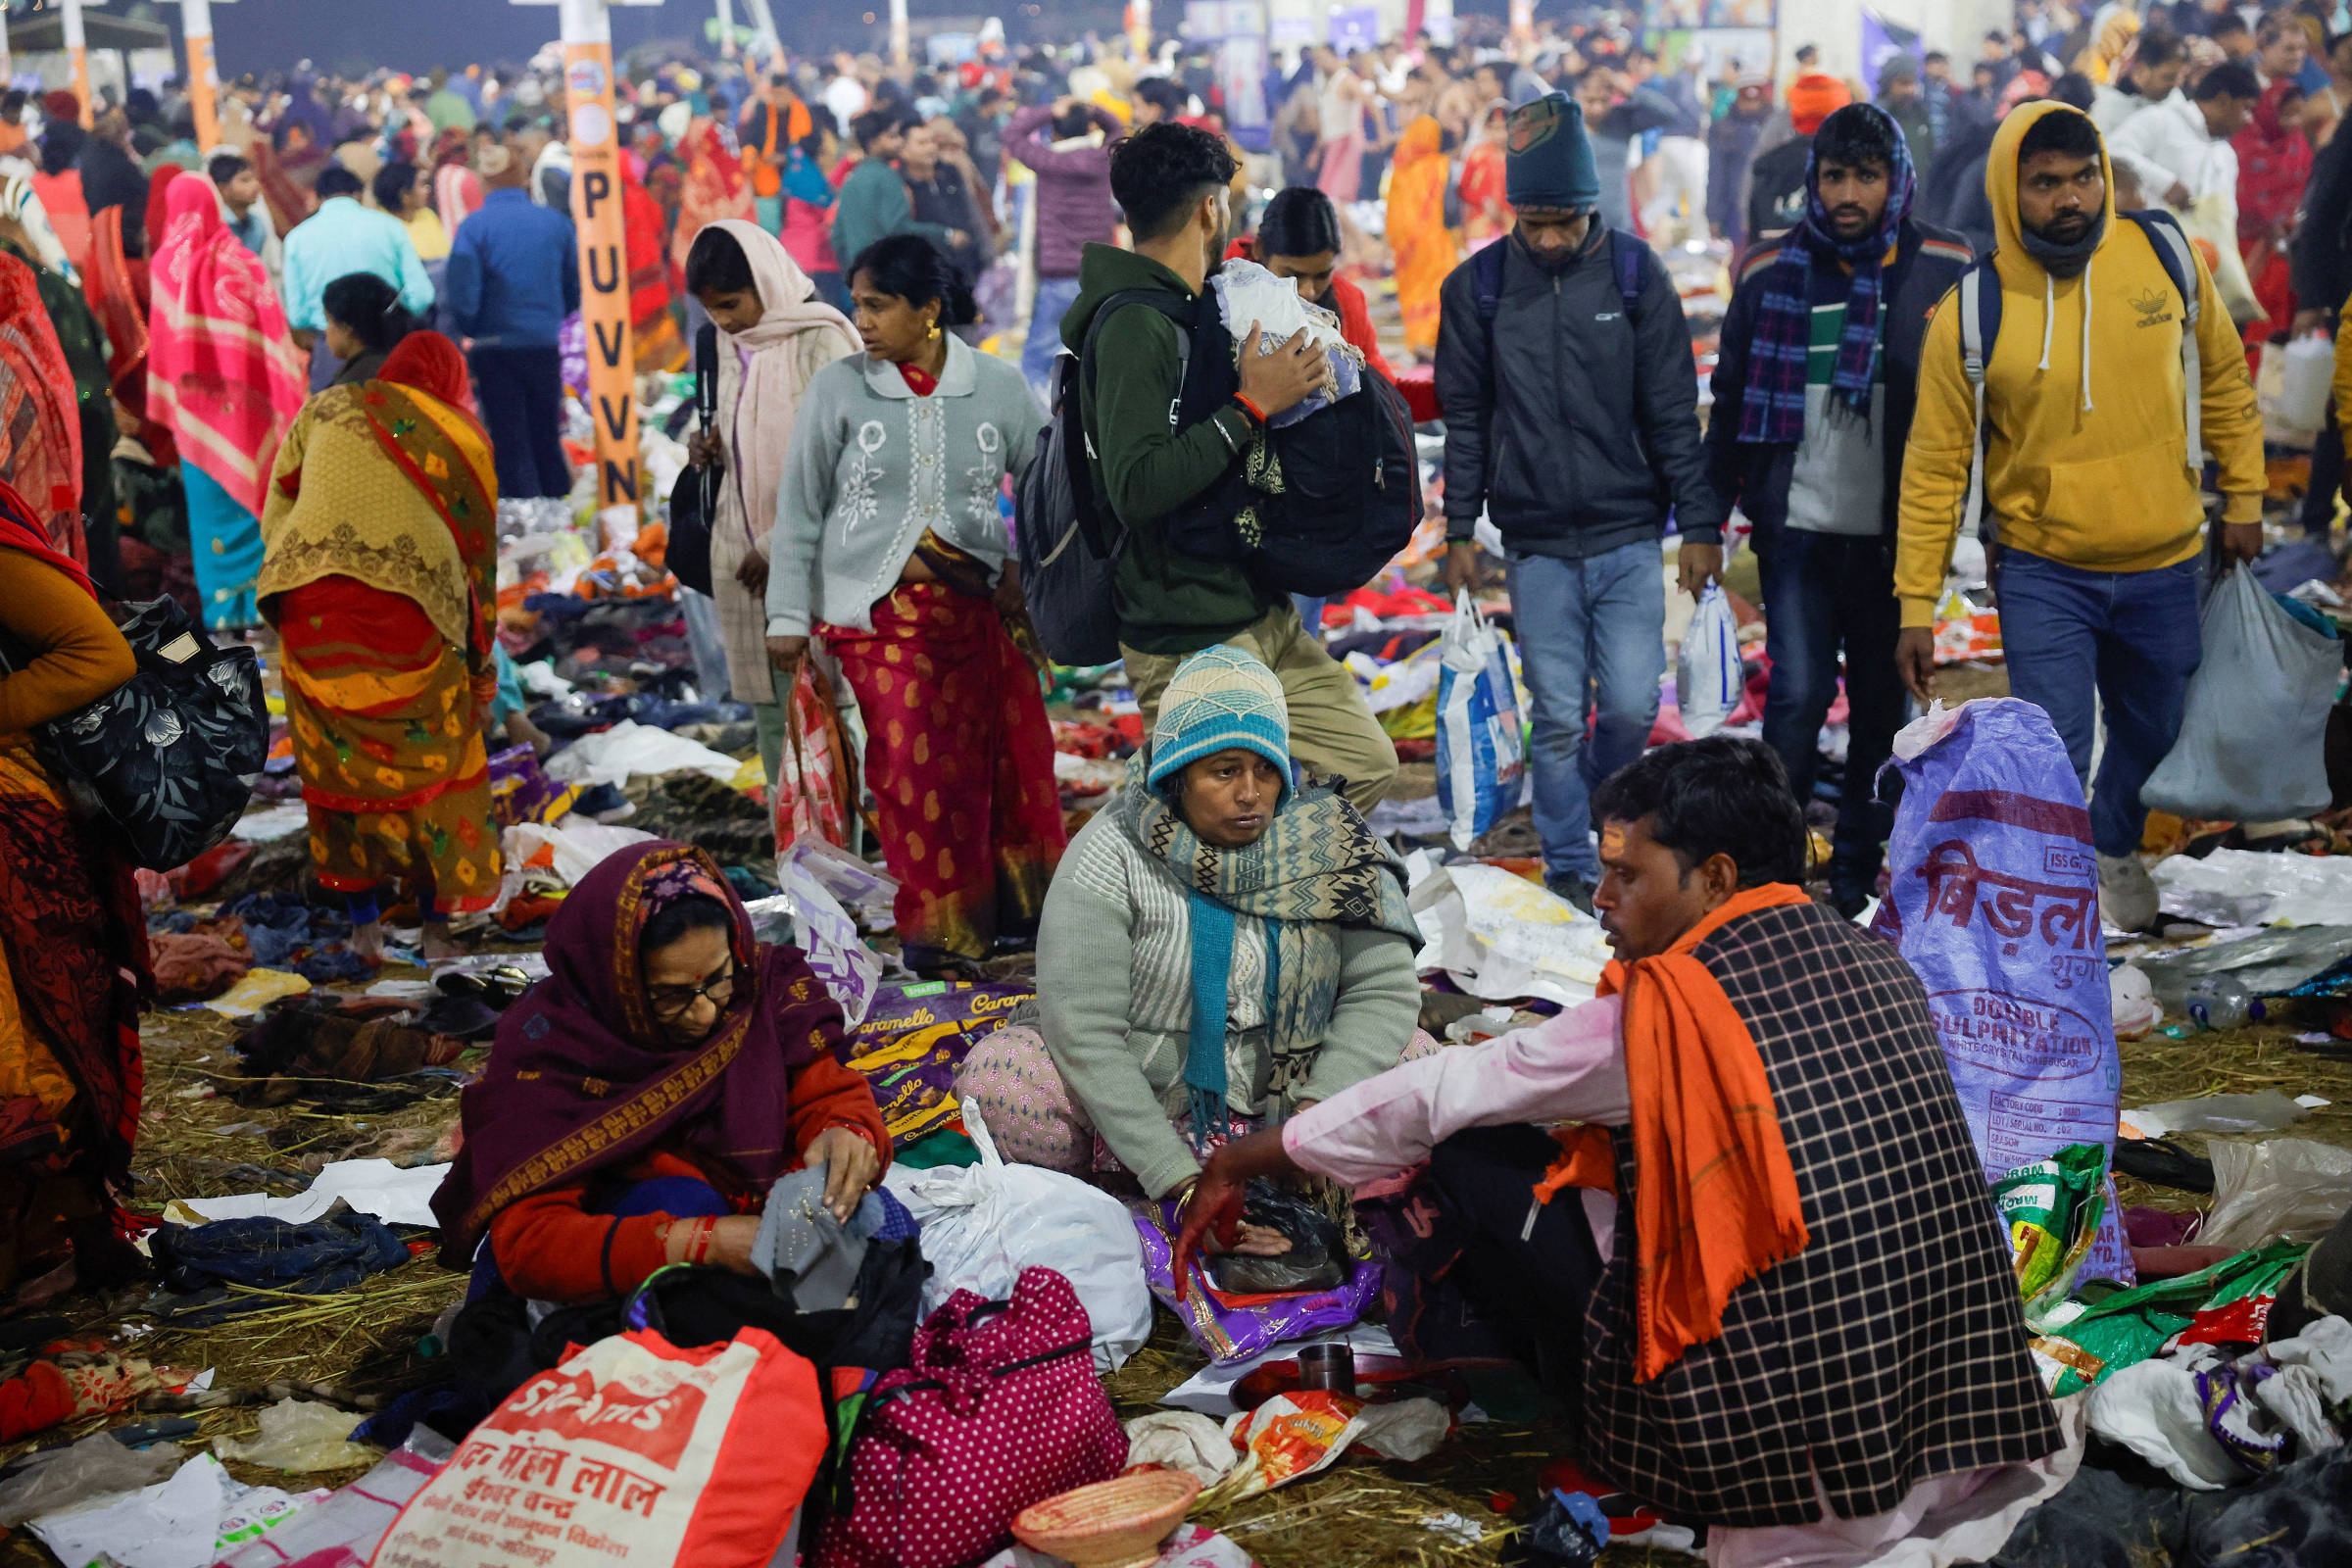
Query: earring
{"x": 934, "y": 332}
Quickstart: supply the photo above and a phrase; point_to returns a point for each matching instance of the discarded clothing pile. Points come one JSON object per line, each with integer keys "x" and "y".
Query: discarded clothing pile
{"x": 199, "y": 1263}
{"x": 305, "y": 1046}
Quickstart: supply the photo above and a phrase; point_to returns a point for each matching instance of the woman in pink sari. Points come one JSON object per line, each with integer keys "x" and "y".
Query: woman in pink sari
{"x": 224, "y": 378}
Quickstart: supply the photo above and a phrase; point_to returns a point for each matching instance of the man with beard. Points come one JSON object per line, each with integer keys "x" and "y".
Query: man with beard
{"x": 2091, "y": 477}
{"x": 1763, "y": 1268}
{"x": 1813, "y": 395}
{"x": 1571, "y": 419}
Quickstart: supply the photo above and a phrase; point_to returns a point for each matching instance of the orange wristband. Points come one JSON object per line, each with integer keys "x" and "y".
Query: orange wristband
{"x": 1250, "y": 407}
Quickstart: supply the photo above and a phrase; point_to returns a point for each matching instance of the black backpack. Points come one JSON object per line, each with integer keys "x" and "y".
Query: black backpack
{"x": 1067, "y": 542}
{"x": 1316, "y": 507}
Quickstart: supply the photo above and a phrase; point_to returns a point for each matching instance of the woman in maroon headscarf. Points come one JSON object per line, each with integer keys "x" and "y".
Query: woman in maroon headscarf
{"x": 640, "y": 1101}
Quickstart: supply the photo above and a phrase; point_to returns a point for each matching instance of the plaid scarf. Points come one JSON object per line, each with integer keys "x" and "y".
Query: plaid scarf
{"x": 1316, "y": 869}
{"x": 1774, "y": 407}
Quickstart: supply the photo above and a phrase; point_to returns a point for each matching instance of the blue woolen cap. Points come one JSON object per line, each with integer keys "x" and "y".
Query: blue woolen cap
{"x": 1219, "y": 700}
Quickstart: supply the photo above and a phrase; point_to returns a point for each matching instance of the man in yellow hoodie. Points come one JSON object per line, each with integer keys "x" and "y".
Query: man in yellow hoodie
{"x": 2087, "y": 479}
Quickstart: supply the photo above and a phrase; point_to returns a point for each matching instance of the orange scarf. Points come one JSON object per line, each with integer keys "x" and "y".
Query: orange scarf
{"x": 1718, "y": 1203}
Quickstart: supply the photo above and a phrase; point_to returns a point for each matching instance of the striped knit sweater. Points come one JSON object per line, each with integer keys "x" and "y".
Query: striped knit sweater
{"x": 1114, "y": 911}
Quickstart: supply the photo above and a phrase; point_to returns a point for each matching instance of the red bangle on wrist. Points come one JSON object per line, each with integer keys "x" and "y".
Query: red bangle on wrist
{"x": 1252, "y": 409}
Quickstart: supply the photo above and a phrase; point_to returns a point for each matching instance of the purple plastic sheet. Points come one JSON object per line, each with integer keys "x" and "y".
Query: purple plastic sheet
{"x": 1236, "y": 1333}
{"x": 1995, "y": 904}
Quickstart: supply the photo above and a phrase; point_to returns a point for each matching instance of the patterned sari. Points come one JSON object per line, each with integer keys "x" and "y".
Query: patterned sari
{"x": 40, "y": 423}
{"x": 73, "y": 968}
{"x": 382, "y": 570}
{"x": 960, "y": 761}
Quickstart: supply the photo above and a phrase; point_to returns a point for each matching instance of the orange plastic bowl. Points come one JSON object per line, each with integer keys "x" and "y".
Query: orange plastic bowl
{"x": 1119, "y": 1522}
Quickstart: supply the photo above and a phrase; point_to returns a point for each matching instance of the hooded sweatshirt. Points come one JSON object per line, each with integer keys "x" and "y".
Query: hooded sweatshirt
{"x": 2085, "y": 458}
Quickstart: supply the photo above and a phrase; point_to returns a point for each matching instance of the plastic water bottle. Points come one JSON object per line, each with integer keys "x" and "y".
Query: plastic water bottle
{"x": 2219, "y": 1002}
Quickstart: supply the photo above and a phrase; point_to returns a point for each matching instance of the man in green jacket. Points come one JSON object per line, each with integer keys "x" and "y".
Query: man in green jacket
{"x": 873, "y": 202}
{"x": 1170, "y": 182}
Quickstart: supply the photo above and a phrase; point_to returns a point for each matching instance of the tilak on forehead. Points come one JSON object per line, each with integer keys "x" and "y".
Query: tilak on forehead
{"x": 1612, "y": 841}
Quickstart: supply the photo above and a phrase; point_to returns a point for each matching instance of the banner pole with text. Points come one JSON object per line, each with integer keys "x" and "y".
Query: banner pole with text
{"x": 596, "y": 211}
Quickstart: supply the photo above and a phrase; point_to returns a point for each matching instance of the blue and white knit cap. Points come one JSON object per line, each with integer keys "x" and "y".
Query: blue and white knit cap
{"x": 1220, "y": 699}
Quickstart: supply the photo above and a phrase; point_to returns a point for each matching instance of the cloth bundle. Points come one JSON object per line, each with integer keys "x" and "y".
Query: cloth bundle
{"x": 1248, "y": 293}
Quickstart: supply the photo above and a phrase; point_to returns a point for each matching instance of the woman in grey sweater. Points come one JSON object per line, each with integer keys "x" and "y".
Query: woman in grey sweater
{"x": 889, "y": 545}
{"x": 1221, "y": 949}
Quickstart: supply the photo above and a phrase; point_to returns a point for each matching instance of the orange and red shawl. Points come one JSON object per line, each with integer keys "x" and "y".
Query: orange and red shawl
{"x": 157, "y": 214}
{"x": 2274, "y": 165}
{"x": 221, "y": 372}
{"x": 40, "y": 419}
{"x": 1717, "y": 1203}
{"x": 289, "y": 202}
{"x": 113, "y": 293}
{"x": 713, "y": 189}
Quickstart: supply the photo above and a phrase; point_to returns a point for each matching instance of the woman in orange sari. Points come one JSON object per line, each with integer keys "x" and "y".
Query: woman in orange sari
{"x": 380, "y": 534}
{"x": 1486, "y": 205}
{"x": 1424, "y": 248}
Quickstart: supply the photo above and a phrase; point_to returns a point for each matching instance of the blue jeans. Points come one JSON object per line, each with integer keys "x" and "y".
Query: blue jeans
{"x": 1822, "y": 592}
{"x": 2129, "y": 636}
{"x": 1054, "y": 296}
{"x": 1592, "y": 644}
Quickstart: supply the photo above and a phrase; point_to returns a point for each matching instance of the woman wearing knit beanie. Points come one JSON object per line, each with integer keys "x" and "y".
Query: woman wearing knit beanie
{"x": 1221, "y": 947}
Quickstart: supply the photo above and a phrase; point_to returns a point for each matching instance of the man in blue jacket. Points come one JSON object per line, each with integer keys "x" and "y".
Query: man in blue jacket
{"x": 513, "y": 274}
{"x": 1814, "y": 389}
{"x": 1572, "y": 420}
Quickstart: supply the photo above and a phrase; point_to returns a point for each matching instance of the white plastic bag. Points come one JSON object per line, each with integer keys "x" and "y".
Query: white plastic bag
{"x": 1708, "y": 679}
{"x": 2252, "y": 761}
{"x": 2281, "y": 1186}
{"x": 983, "y": 1224}
{"x": 825, "y": 931}
{"x": 1482, "y": 750}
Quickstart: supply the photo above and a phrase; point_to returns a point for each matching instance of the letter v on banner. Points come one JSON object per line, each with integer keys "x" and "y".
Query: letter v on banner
{"x": 596, "y": 211}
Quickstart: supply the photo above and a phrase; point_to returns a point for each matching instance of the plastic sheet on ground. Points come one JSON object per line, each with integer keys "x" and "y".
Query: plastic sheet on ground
{"x": 2289, "y": 1188}
{"x": 1499, "y": 936}
{"x": 300, "y": 1435}
{"x": 375, "y": 1187}
{"x": 62, "y": 1478}
{"x": 575, "y": 845}
{"x": 263, "y": 824}
{"x": 258, "y": 989}
{"x": 615, "y": 755}
{"x": 185, "y": 1522}
{"x": 2266, "y": 963}
{"x": 2245, "y": 887}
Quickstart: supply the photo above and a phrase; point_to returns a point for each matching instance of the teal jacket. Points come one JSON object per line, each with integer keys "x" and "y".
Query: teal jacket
{"x": 872, "y": 204}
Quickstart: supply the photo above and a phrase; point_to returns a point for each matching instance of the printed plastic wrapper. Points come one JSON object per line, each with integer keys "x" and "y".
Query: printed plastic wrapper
{"x": 1994, "y": 902}
{"x": 1501, "y": 936}
{"x": 522, "y": 792}
{"x": 913, "y": 1041}
{"x": 1482, "y": 748}
{"x": 634, "y": 1453}
{"x": 344, "y": 1530}
{"x": 2281, "y": 1188}
{"x": 2213, "y": 1305}
{"x": 825, "y": 931}
{"x": 300, "y": 1435}
{"x": 1708, "y": 678}
{"x": 189, "y": 1520}
{"x": 983, "y": 1224}
{"x": 2052, "y": 1208}
{"x": 1236, "y": 1328}
{"x": 2252, "y": 762}
{"x": 1293, "y": 1435}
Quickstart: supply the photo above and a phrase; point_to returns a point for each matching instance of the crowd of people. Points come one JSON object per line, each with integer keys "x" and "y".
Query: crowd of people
{"x": 296, "y": 379}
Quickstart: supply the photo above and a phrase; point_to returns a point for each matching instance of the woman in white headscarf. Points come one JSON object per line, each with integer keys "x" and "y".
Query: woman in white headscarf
{"x": 21, "y": 202}
{"x": 775, "y": 334}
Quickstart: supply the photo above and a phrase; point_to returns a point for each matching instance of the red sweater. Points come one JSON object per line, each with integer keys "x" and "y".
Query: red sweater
{"x": 550, "y": 1248}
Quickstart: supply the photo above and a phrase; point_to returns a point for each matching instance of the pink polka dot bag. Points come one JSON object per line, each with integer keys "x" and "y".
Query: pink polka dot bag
{"x": 1001, "y": 1408}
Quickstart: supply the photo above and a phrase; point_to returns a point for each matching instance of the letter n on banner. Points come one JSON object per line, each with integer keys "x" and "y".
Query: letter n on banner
{"x": 596, "y": 209}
